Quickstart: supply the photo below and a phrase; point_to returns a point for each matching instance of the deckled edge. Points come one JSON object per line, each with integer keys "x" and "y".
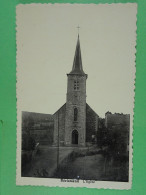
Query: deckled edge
{"x": 18, "y": 134}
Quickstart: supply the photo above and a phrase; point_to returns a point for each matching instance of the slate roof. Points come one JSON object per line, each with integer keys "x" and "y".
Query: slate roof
{"x": 77, "y": 64}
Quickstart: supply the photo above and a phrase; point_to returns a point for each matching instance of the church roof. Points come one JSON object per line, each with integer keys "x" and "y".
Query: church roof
{"x": 62, "y": 107}
{"x": 88, "y": 107}
{"x": 77, "y": 64}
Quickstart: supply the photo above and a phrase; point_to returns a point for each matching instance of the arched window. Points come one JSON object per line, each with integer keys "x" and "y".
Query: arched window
{"x": 75, "y": 114}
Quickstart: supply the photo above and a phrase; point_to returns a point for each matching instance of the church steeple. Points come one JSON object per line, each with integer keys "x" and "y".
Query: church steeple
{"x": 75, "y": 120}
{"x": 77, "y": 63}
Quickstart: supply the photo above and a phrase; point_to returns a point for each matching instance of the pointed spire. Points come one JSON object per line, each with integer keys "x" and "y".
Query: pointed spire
{"x": 77, "y": 64}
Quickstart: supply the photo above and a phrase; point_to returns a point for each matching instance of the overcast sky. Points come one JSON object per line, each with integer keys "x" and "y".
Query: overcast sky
{"x": 46, "y": 41}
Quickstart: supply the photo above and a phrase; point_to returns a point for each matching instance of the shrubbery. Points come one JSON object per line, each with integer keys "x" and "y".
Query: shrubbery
{"x": 28, "y": 143}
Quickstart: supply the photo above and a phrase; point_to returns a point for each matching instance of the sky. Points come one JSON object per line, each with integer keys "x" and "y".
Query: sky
{"x": 46, "y": 40}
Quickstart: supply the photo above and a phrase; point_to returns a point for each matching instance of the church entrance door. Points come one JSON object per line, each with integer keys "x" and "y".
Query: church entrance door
{"x": 75, "y": 137}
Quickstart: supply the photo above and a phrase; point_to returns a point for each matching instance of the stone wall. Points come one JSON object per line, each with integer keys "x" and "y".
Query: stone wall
{"x": 116, "y": 119}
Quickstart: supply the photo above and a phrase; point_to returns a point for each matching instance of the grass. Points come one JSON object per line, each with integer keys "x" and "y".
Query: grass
{"x": 93, "y": 164}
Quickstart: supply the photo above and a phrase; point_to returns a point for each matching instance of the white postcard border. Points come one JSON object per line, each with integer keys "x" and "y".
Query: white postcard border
{"x": 51, "y": 182}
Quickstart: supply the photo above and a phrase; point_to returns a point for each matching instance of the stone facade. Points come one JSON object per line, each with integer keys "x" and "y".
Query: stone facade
{"x": 59, "y": 126}
{"x": 61, "y": 122}
{"x": 92, "y": 120}
{"x": 76, "y": 110}
{"x": 117, "y": 119}
{"x": 75, "y": 122}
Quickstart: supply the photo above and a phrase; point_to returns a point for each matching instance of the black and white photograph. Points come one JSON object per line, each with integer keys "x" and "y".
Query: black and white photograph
{"x": 75, "y": 94}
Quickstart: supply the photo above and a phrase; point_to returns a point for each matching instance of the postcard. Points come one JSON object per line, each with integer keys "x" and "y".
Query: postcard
{"x": 75, "y": 94}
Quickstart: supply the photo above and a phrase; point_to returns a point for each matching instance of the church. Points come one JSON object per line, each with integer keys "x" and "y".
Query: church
{"x": 75, "y": 123}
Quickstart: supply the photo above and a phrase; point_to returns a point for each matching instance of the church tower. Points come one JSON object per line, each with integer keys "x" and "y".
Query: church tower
{"x": 75, "y": 116}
